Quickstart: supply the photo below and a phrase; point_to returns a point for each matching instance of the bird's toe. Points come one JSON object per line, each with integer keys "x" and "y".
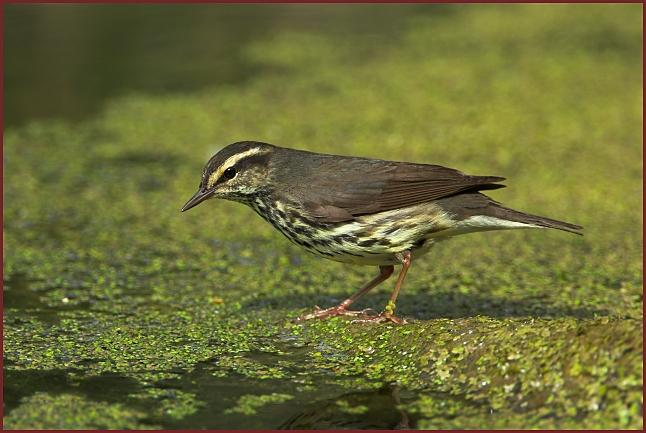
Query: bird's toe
{"x": 338, "y": 310}
{"x": 383, "y": 317}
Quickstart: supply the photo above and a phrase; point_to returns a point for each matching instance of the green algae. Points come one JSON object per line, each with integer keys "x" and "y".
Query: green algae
{"x": 120, "y": 312}
{"x": 248, "y": 404}
{"x": 68, "y": 411}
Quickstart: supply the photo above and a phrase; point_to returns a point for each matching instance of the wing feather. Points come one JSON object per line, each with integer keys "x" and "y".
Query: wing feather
{"x": 357, "y": 186}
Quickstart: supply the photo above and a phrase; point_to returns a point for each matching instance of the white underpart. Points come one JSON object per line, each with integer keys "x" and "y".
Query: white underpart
{"x": 480, "y": 223}
{"x": 422, "y": 219}
{"x": 392, "y": 231}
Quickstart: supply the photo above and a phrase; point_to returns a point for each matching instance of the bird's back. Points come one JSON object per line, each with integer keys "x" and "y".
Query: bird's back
{"x": 336, "y": 188}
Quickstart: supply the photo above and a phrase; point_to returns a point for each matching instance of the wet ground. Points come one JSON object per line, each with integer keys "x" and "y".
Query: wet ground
{"x": 120, "y": 312}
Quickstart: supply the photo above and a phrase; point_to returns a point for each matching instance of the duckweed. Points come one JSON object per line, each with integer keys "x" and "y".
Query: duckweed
{"x": 120, "y": 312}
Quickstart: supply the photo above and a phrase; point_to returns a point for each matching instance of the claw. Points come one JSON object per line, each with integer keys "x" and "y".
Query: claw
{"x": 381, "y": 318}
{"x": 339, "y": 310}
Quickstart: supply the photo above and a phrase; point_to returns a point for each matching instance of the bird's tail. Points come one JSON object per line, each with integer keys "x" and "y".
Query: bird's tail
{"x": 513, "y": 215}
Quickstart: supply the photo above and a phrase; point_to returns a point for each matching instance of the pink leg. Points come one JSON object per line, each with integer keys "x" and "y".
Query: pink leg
{"x": 388, "y": 315}
{"x": 342, "y": 309}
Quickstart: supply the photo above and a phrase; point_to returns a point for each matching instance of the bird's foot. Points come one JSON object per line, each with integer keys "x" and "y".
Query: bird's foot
{"x": 383, "y": 317}
{"x": 338, "y": 310}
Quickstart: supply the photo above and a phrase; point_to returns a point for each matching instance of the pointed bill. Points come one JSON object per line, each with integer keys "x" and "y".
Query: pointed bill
{"x": 197, "y": 198}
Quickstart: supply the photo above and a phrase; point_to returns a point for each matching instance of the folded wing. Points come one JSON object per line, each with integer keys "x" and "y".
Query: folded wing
{"x": 367, "y": 186}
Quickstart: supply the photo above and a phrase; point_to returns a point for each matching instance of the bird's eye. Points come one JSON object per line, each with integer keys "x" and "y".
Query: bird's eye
{"x": 230, "y": 173}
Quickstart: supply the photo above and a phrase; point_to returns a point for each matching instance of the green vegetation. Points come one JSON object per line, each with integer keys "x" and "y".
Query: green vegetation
{"x": 120, "y": 312}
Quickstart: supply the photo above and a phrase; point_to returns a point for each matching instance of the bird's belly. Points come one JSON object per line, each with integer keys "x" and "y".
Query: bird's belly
{"x": 365, "y": 257}
{"x": 371, "y": 239}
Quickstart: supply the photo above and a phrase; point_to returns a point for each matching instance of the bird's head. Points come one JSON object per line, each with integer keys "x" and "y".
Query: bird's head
{"x": 236, "y": 172}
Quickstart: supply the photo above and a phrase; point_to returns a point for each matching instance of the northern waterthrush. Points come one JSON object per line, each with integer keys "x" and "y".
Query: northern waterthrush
{"x": 359, "y": 210}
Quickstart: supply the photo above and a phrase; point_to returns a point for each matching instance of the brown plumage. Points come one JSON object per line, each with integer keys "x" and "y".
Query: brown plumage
{"x": 359, "y": 210}
{"x": 473, "y": 204}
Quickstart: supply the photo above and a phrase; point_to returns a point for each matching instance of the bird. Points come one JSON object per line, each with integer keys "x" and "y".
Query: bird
{"x": 359, "y": 210}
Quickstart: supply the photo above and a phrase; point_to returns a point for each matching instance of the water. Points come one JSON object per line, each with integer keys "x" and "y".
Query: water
{"x": 316, "y": 408}
{"x": 66, "y": 60}
{"x": 92, "y": 313}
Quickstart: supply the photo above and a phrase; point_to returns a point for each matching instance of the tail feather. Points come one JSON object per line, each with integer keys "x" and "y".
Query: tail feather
{"x": 522, "y": 217}
{"x": 472, "y": 205}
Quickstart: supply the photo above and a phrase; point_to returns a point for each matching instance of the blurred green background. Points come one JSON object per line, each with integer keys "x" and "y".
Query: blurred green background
{"x": 65, "y": 61}
{"x": 120, "y": 312}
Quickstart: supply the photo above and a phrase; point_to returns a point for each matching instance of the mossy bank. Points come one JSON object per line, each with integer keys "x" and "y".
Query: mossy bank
{"x": 120, "y": 312}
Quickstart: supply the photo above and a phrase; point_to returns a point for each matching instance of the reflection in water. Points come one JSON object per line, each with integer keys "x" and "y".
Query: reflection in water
{"x": 317, "y": 405}
{"x": 66, "y": 60}
{"x": 359, "y": 410}
{"x": 314, "y": 410}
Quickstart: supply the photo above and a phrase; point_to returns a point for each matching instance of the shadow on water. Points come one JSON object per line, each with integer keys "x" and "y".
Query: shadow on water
{"x": 220, "y": 394}
{"x": 223, "y": 398}
{"x": 19, "y": 297}
{"x": 108, "y": 387}
{"x": 436, "y": 305}
{"x": 319, "y": 406}
{"x": 378, "y": 409}
{"x": 17, "y": 294}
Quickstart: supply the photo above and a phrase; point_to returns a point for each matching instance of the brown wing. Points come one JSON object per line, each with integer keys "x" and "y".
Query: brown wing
{"x": 362, "y": 186}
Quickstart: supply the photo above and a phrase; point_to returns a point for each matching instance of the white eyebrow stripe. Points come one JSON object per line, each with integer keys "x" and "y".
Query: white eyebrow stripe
{"x": 230, "y": 162}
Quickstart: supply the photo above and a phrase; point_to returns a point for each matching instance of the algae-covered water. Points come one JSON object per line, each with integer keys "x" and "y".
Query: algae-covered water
{"x": 121, "y": 312}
